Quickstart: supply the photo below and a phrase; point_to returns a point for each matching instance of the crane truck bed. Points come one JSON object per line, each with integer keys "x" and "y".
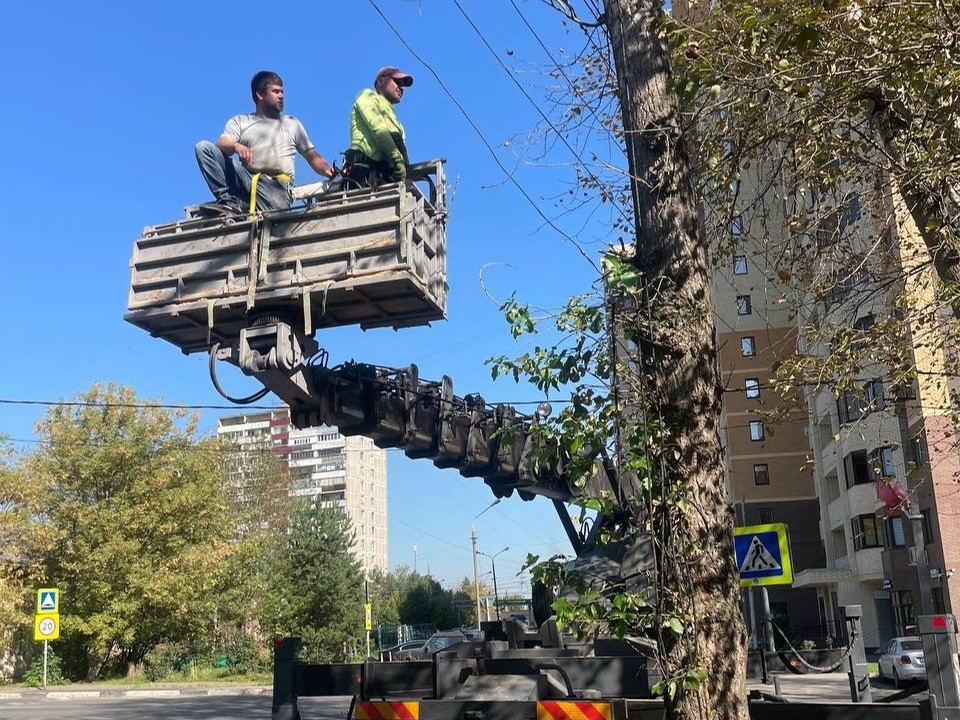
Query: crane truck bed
{"x": 374, "y": 258}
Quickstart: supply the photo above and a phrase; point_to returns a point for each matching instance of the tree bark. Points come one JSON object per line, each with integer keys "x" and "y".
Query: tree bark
{"x": 678, "y": 366}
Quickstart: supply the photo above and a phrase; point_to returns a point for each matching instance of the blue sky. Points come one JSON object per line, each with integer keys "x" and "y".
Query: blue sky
{"x": 104, "y": 104}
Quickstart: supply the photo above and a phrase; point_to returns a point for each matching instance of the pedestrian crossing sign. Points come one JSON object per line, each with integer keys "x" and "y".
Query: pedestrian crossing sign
{"x": 48, "y": 601}
{"x": 763, "y": 555}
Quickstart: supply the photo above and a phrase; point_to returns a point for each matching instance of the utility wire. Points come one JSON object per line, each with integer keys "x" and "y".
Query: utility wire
{"x": 421, "y": 531}
{"x": 563, "y": 139}
{"x": 563, "y": 72}
{"x": 158, "y": 406}
{"x": 484, "y": 140}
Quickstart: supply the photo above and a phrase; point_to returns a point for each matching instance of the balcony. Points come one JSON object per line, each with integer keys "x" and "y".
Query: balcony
{"x": 862, "y": 499}
{"x": 869, "y": 563}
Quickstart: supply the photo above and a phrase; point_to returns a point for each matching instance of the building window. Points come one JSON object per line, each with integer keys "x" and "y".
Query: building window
{"x": 854, "y": 212}
{"x": 903, "y": 617}
{"x": 736, "y": 225}
{"x": 883, "y": 462}
{"x": 918, "y": 447}
{"x": 739, "y": 264}
{"x": 866, "y": 532}
{"x": 927, "y": 523}
{"x": 765, "y": 515}
{"x": 756, "y": 430}
{"x": 761, "y": 474}
{"x": 748, "y": 346}
{"x": 839, "y": 543}
{"x": 856, "y": 468}
{"x": 744, "y": 306}
{"x": 893, "y": 533}
{"x": 849, "y": 407}
{"x": 873, "y": 394}
{"x": 864, "y": 322}
{"x": 752, "y": 388}
{"x": 906, "y": 390}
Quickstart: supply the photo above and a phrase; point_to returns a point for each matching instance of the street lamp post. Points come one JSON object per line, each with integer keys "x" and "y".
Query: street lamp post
{"x": 473, "y": 543}
{"x": 493, "y": 565}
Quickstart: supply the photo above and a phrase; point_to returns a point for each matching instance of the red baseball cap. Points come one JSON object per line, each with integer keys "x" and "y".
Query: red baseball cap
{"x": 396, "y": 73}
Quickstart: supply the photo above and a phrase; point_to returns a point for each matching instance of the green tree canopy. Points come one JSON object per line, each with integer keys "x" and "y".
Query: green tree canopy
{"x": 426, "y": 602}
{"x": 136, "y": 521}
{"x": 317, "y": 587}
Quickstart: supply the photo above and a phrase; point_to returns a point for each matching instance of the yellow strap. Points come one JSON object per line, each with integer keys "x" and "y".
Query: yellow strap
{"x": 253, "y": 192}
{"x": 253, "y": 187}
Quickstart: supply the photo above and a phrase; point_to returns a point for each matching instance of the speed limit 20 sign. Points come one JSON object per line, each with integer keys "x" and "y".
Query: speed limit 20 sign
{"x": 46, "y": 626}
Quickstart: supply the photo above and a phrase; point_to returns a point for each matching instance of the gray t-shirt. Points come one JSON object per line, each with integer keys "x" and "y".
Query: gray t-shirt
{"x": 273, "y": 141}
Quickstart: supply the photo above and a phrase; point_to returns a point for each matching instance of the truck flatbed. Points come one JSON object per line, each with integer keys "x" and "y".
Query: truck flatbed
{"x": 373, "y": 258}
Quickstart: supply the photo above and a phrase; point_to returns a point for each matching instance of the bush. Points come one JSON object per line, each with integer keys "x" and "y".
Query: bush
{"x": 34, "y": 674}
{"x": 243, "y": 654}
{"x": 163, "y": 661}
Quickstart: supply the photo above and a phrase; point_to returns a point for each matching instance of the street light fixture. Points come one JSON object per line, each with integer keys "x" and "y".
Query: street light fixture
{"x": 473, "y": 542}
{"x": 493, "y": 564}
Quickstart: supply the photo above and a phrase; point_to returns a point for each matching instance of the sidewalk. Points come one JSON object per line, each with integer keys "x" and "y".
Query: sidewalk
{"x": 77, "y": 691}
{"x": 821, "y": 687}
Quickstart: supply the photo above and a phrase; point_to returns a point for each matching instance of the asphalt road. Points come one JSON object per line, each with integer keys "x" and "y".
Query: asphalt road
{"x": 832, "y": 687}
{"x": 226, "y": 707}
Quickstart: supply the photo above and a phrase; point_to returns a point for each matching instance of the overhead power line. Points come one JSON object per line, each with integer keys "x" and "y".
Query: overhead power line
{"x": 141, "y": 405}
{"x": 533, "y": 103}
{"x": 509, "y": 175}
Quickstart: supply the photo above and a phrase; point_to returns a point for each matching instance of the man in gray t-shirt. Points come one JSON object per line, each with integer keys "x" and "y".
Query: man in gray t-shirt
{"x": 255, "y": 153}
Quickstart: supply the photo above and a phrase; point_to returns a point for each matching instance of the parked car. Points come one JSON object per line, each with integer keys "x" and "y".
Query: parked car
{"x": 402, "y": 651}
{"x": 902, "y": 660}
{"x": 438, "y": 641}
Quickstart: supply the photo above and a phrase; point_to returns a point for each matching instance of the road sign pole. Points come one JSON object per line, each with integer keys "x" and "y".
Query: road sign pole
{"x": 366, "y": 612}
{"x": 44, "y": 664}
{"x": 761, "y": 631}
{"x": 768, "y": 639}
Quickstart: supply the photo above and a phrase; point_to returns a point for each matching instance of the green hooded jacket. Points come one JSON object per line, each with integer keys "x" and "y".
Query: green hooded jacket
{"x": 376, "y": 132}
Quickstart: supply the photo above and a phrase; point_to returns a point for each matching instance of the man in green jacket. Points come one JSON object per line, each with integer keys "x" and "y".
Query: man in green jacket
{"x": 378, "y": 151}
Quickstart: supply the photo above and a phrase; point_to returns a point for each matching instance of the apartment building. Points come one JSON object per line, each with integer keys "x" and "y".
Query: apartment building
{"x": 821, "y": 458}
{"x": 349, "y": 473}
{"x": 770, "y": 474}
{"x": 886, "y": 456}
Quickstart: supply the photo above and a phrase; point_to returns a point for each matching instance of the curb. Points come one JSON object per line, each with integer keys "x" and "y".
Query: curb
{"x": 142, "y": 693}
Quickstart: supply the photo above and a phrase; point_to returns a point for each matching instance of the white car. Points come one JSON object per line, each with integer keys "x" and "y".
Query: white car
{"x": 902, "y": 660}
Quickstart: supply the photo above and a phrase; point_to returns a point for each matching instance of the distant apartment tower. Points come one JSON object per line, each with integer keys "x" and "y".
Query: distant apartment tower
{"x": 769, "y": 471}
{"x": 349, "y": 473}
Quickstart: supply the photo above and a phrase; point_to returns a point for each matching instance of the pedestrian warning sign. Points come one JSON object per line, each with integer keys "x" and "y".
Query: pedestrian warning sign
{"x": 763, "y": 555}
{"x": 48, "y": 600}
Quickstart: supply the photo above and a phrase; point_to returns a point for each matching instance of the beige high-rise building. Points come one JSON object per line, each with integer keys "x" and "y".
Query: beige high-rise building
{"x": 770, "y": 474}
{"x": 349, "y": 473}
{"x": 819, "y": 457}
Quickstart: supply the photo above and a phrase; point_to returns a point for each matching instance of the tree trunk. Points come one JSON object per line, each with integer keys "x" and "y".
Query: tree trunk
{"x": 678, "y": 368}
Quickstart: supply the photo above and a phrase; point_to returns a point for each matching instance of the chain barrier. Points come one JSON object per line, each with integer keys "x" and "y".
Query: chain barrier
{"x": 797, "y": 657}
